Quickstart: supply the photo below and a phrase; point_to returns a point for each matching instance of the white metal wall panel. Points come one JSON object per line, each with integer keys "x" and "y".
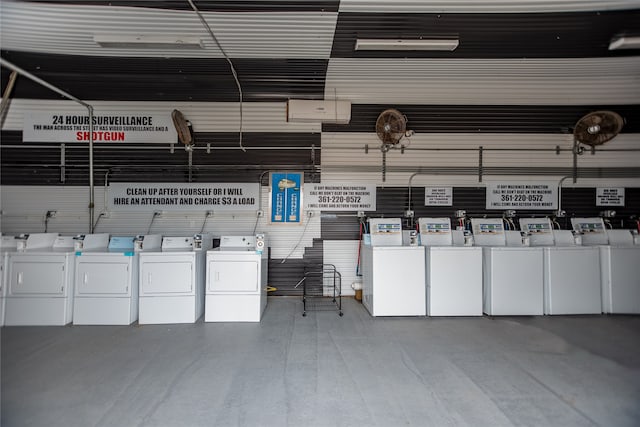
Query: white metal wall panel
{"x": 24, "y": 209}
{"x": 344, "y": 158}
{"x": 344, "y": 255}
{"x": 485, "y": 81}
{"x": 69, "y": 29}
{"x": 483, "y": 6}
{"x": 204, "y": 116}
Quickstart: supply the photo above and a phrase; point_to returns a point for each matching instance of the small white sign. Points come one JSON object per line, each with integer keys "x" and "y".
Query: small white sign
{"x": 438, "y": 196}
{"x": 522, "y": 195}
{"x": 338, "y": 197}
{"x": 65, "y": 126}
{"x": 216, "y": 197}
{"x": 610, "y": 196}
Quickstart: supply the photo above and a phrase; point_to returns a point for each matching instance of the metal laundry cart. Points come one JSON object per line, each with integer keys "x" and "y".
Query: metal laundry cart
{"x": 321, "y": 288}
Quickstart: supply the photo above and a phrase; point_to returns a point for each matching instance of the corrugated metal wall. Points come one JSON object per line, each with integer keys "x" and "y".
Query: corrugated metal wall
{"x": 500, "y": 107}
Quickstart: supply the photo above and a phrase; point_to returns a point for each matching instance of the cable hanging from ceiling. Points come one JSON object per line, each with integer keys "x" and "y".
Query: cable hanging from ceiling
{"x": 233, "y": 70}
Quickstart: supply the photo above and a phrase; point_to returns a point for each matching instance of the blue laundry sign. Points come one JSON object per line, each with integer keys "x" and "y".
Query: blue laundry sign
{"x": 286, "y": 196}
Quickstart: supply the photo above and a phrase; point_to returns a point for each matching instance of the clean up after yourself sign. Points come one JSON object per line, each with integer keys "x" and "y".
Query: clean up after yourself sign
{"x": 150, "y": 197}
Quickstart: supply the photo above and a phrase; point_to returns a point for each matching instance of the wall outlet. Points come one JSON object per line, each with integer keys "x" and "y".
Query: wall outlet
{"x": 260, "y": 213}
{"x": 105, "y": 214}
{"x": 310, "y": 214}
{"x": 51, "y": 214}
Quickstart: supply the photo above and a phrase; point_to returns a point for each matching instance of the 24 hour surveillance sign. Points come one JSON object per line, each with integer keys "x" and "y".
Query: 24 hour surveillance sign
{"x": 60, "y": 126}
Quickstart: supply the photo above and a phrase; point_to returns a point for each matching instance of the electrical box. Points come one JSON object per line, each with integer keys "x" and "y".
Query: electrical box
{"x": 592, "y": 230}
{"x": 488, "y": 232}
{"x": 435, "y": 231}
{"x": 539, "y": 229}
{"x": 385, "y": 231}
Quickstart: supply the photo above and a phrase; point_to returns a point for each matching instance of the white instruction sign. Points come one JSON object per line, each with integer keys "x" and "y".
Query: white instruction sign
{"x": 610, "y": 196}
{"x": 438, "y": 196}
{"x": 228, "y": 197}
{"x": 522, "y": 195}
{"x": 65, "y": 126}
{"x": 338, "y": 197}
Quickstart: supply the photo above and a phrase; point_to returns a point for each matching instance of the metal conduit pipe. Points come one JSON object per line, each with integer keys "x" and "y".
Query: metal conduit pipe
{"x": 4, "y": 106}
{"x": 89, "y": 107}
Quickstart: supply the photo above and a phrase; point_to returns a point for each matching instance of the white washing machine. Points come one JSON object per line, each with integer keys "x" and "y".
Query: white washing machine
{"x": 106, "y": 281}
{"x": 40, "y": 279}
{"x": 571, "y": 272}
{"x": 172, "y": 280}
{"x": 512, "y": 271}
{"x": 453, "y": 270}
{"x": 236, "y": 289}
{"x": 7, "y": 244}
{"x": 393, "y": 275}
{"x": 619, "y": 264}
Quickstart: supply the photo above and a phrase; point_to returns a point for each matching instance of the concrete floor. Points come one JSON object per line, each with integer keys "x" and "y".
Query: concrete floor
{"x": 325, "y": 370}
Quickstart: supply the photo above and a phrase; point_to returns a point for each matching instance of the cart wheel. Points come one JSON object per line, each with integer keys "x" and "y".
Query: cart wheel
{"x": 304, "y": 314}
{"x": 341, "y": 314}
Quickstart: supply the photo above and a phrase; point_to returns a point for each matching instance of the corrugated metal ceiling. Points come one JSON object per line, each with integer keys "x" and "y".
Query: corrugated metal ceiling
{"x": 482, "y": 6}
{"x": 579, "y": 81}
{"x": 69, "y": 30}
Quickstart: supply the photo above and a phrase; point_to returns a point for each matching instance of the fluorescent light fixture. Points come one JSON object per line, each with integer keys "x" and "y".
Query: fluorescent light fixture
{"x": 417, "y": 44}
{"x": 147, "y": 41}
{"x": 625, "y": 43}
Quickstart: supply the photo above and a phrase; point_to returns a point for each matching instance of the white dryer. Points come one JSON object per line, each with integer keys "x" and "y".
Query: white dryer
{"x": 7, "y": 244}
{"x": 393, "y": 275}
{"x": 453, "y": 270}
{"x": 571, "y": 271}
{"x": 172, "y": 280}
{"x": 236, "y": 288}
{"x": 512, "y": 271}
{"x": 106, "y": 281}
{"x": 40, "y": 280}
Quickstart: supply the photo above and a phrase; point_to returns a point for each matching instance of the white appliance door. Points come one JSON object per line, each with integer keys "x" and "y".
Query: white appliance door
{"x": 233, "y": 276}
{"x": 37, "y": 275}
{"x": 164, "y": 276}
{"x": 106, "y": 278}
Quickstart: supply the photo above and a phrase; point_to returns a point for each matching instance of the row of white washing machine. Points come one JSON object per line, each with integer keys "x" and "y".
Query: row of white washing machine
{"x": 96, "y": 279}
{"x": 504, "y": 272}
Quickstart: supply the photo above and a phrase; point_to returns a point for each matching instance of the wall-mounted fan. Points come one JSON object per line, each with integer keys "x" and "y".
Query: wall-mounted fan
{"x": 596, "y": 128}
{"x": 391, "y": 127}
{"x": 183, "y": 128}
